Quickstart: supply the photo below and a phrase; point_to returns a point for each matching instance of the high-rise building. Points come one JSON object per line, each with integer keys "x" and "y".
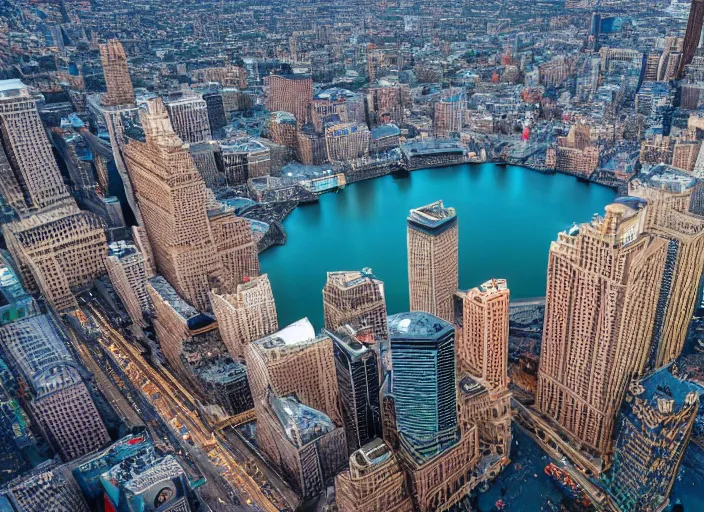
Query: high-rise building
{"x": 303, "y": 443}
{"x": 355, "y": 297}
{"x": 246, "y": 315}
{"x": 290, "y": 93}
{"x": 33, "y": 171}
{"x": 423, "y": 383}
{"x": 603, "y": 289}
{"x": 347, "y": 141}
{"x": 692, "y": 35}
{"x": 433, "y": 274}
{"x": 295, "y": 361}
{"x": 128, "y": 275}
{"x": 60, "y": 400}
{"x": 357, "y": 370}
{"x": 191, "y": 344}
{"x": 48, "y": 487}
{"x": 196, "y": 240}
{"x": 374, "y": 482}
{"x": 387, "y": 103}
{"x": 655, "y": 425}
{"x": 117, "y": 75}
{"x": 481, "y": 316}
{"x": 449, "y": 112}
{"x": 188, "y": 114}
{"x": 216, "y": 111}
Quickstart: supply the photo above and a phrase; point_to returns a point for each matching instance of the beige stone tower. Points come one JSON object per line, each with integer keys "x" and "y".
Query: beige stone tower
{"x": 117, "y": 75}
{"x": 433, "y": 275}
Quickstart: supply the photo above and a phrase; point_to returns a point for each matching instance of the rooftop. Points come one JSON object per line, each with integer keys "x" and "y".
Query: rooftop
{"x": 433, "y": 217}
{"x": 303, "y": 424}
{"x": 350, "y": 279}
{"x": 417, "y": 325}
{"x": 299, "y": 331}
{"x": 12, "y": 88}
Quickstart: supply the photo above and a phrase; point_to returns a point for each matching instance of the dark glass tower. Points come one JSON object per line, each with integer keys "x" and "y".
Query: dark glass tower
{"x": 423, "y": 383}
{"x": 692, "y": 35}
{"x": 357, "y": 371}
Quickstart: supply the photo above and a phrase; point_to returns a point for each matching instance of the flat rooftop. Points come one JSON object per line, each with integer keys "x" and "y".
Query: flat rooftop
{"x": 12, "y": 88}
{"x": 433, "y": 217}
{"x": 417, "y": 325}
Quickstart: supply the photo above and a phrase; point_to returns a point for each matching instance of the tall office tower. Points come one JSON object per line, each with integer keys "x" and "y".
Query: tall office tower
{"x": 117, "y": 75}
{"x": 191, "y": 344}
{"x": 423, "y": 382}
{"x": 47, "y": 487}
{"x": 195, "y": 240}
{"x": 449, "y": 112}
{"x": 216, "y": 111}
{"x": 433, "y": 275}
{"x": 60, "y": 401}
{"x": 290, "y": 93}
{"x": 246, "y": 315}
{"x": 387, "y": 103}
{"x": 481, "y": 316}
{"x": 355, "y": 297}
{"x": 670, "y": 199}
{"x": 188, "y": 114}
{"x": 141, "y": 242}
{"x": 655, "y": 425}
{"x": 147, "y": 483}
{"x": 374, "y": 482}
{"x": 603, "y": 292}
{"x": 357, "y": 372}
{"x": 128, "y": 275}
{"x": 303, "y": 443}
{"x": 295, "y": 361}
{"x": 32, "y": 171}
{"x": 57, "y": 251}
{"x": 693, "y": 34}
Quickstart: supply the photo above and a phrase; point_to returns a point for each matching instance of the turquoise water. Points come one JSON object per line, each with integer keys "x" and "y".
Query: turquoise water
{"x": 507, "y": 218}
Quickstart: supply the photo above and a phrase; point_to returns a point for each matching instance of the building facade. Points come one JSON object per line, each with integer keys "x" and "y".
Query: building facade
{"x": 128, "y": 274}
{"x": 189, "y": 117}
{"x": 117, "y": 75}
{"x": 433, "y": 275}
{"x": 290, "y": 93}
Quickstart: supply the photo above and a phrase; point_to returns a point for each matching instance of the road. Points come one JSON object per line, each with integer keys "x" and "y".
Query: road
{"x": 178, "y": 408}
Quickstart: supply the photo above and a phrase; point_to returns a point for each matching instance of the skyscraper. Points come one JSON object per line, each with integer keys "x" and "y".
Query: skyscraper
{"x": 188, "y": 114}
{"x": 117, "y": 75}
{"x": 481, "y": 315}
{"x": 355, "y": 297}
{"x": 33, "y": 171}
{"x": 60, "y": 400}
{"x": 128, "y": 275}
{"x": 692, "y": 35}
{"x": 47, "y": 487}
{"x": 357, "y": 372}
{"x": 433, "y": 259}
{"x": 603, "y": 287}
{"x": 196, "y": 241}
{"x": 246, "y": 315}
{"x": 423, "y": 381}
{"x": 655, "y": 425}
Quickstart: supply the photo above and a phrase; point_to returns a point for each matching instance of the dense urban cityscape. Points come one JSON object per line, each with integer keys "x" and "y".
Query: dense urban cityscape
{"x": 179, "y": 181}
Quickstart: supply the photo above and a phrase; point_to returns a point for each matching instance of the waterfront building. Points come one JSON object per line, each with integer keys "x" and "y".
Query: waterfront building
{"x": 655, "y": 425}
{"x": 433, "y": 275}
{"x": 60, "y": 400}
{"x": 387, "y": 103}
{"x": 47, "y": 487}
{"x": 603, "y": 284}
{"x": 357, "y": 369}
{"x": 310, "y": 147}
{"x": 347, "y": 141}
{"x": 128, "y": 274}
{"x": 293, "y": 361}
{"x": 482, "y": 320}
{"x": 575, "y": 153}
{"x": 147, "y": 483}
{"x": 423, "y": 383}
{"x": 191, "y": 344}
{"x": 355, "y": 297}
{"x": 692, "y": 35}
{"x": 117, "y": 75}
{"x": 374, "y": 482}
{"x": 243, "y": 158}
{"x": 289, "y": 93}
{"x": 449, "y": 112}
{"x": 188, "y": 114}
{"x": 303, "y": 443}
{"x": 194, "y": 239}
{"x": 246, "y": 315}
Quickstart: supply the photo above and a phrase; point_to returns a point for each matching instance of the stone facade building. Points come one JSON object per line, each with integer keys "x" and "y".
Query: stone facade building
{"x": 189, "y": 117}
{"x": 128, "y": 274}
{"x": 433, "y": 274}
{"x": 117, "y": 75}
{"x": 347, "y": 141}
{"x": 290, "y": 93}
